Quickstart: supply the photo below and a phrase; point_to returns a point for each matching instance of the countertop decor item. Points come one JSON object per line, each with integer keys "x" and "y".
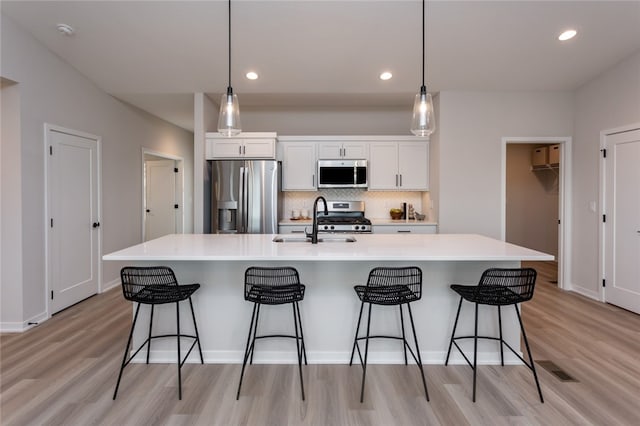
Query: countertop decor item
{"x": 395, "y": 214}
{"x": 419, "y": 216}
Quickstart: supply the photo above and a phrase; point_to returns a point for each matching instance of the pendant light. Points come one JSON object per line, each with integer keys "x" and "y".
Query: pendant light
{"x": 423, "y": 122}
{"x": 229, "y": 118}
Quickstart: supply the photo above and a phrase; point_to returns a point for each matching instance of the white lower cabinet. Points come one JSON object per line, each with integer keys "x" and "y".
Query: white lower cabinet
{"x": 404, "y": 229}
{"x": 292, "y": 229}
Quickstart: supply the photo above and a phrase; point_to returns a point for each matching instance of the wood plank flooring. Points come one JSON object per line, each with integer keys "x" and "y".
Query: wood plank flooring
{"x": 64, "y": 372}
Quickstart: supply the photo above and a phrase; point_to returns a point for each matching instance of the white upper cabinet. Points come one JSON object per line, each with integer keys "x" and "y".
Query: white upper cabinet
{"x": 245, "y": 145}
{"x": 399, "y": 166}
{"x": 298, "y": 165}
{"x": 339, "y": 150}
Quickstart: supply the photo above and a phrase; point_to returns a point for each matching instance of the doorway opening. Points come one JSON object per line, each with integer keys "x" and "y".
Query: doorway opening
{"x": 162, "y": 194}
{"x": 535, "y": 199}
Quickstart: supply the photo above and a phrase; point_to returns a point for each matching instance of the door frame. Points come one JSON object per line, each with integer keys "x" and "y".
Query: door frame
{"x": 48, "y": 128}
{"x": 602, "y": 202}
{"x": 564, "y": 199}
{"x": 146, "y": 152}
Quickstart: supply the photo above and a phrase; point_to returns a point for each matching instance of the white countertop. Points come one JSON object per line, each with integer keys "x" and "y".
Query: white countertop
{"x": 368, "y": 247}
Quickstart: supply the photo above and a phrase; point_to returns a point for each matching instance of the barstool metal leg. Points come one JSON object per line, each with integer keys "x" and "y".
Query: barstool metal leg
{"x": 304, "y": 349}
{"x": 298, "y": 349}
{"x": 526, "y": 343}
{"x": 255, "y": 333}
{"x": 178, "y": 340}
{"x": 453, "y": 333}
{"x": 246, "y": 350}
{"x": 126, "y": 351}
{"x": 355, "y": 339}
{"x": 415, "y": 338}
{"x": 366, "y": 353}
{"x": 149, "y": 341}
{"x": 404, "y": 340}
{"x": 501, "y": 339}
{"x": 195, "y": 327}
{"x": 475, "y": 353}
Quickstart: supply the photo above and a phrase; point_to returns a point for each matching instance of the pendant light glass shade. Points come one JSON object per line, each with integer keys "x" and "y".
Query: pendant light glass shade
{"x": 423, "y": 122}
{"x": 229, "y": 117}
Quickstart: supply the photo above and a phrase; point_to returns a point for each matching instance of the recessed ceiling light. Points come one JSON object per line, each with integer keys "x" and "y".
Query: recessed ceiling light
{"x": 567, "y": 35}
{"x": 65, "y": 29}
{"x": 386, "y": 75}
{"x": 252, "y": 75}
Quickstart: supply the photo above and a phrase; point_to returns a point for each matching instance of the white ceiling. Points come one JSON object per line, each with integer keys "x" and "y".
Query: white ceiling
{"x": 328, "y": 53}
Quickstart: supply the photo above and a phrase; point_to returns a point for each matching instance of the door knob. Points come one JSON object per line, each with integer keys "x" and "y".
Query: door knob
{"x": 96, "y": 224}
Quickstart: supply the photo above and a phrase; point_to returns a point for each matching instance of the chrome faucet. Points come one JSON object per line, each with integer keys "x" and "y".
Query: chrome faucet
{"x": 314, "y": 228}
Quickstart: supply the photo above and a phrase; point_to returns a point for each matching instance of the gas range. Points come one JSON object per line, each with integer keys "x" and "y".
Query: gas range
{"x": 344, "y": 216}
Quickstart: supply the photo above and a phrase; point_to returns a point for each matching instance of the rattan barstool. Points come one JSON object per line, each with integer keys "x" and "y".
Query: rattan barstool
{"x": 157, "y": 285}
{"x": 497, "y": 287}
{"x": 273, "y": 286}
{"x": 390, "y": 286}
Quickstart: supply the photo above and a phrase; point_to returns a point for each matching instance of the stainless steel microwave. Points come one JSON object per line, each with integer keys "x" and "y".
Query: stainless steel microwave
{"x": 342, "y": 173}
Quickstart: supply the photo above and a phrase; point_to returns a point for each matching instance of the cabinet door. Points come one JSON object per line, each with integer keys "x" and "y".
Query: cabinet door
{"x": 259, "y": 148}
{"x": 355, "y": 150}
{"x": 404, "y": 229}
{"x": 299, "y": 166}
{"x": 413, "y": 166}
{"x": 224, "y": 148}
{"x": 292, "y": 229}
{"x": 329, "y": 150}
{"x": 383, "y": 166}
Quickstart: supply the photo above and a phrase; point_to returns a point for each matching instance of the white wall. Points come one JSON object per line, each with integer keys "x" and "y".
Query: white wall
{"x": 327, "y": 122}
{"x": 53, "y": 92}
{"x": 471, "y": 127}
{"x": 10, "y": 207}
{"x": 612, "y": 100}
{"x": 532, "y": 201}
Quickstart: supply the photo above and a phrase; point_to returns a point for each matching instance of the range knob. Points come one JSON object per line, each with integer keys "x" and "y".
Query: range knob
{"x": 356, "y": 227}
{"x": 326, "y": 227}
{"x": 332, "y": 227}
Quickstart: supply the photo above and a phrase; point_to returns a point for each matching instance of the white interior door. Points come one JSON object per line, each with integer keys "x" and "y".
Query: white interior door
{"x": 160, "y": 198}
{"x": 73, "y": 242}
{"x": 622, "y": 225}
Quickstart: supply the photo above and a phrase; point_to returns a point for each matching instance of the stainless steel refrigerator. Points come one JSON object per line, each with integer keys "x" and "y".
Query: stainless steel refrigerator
{"x": 245, "y": 196}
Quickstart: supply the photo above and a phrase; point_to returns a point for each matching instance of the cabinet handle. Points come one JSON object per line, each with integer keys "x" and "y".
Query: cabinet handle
{"x": 240, "y": 150}
{"x": 400, "y": 180}
{"x": 297, "y": 232}
{"x": 244, "y": 150}
{"x": 406, "y": 231}
{"x": 313, "y": 180}
{"x": 396, "y": 180}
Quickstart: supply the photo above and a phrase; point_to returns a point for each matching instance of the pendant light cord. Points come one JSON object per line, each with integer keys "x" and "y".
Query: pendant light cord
{"x": 423, "y": 10}
{"x": 230, "y": 44}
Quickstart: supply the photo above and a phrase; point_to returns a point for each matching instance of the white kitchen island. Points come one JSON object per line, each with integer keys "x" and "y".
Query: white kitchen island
{"x": 330, "y": 308}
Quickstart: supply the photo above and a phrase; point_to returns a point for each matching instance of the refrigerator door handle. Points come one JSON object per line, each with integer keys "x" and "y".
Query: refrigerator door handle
{"x": 246, "y": 179}
{"x": 241, "y": 197}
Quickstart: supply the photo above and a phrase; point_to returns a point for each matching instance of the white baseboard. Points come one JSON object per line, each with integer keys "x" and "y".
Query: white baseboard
{"x": 111, "y": 284}
{"x": 585, "y": 292}
{"x": 321, "y": 357}
{"x": 19, "y": 327}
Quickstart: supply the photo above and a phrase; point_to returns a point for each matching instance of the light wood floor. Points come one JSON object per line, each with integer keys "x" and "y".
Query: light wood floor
{"x": 64, "y": 372}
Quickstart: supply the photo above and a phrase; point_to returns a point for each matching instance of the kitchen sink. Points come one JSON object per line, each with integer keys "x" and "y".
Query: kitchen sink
{"x": 323, "y": 239}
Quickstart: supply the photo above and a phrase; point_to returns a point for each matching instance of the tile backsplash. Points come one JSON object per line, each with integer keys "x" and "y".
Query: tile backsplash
{"x": 377, "y": 203}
